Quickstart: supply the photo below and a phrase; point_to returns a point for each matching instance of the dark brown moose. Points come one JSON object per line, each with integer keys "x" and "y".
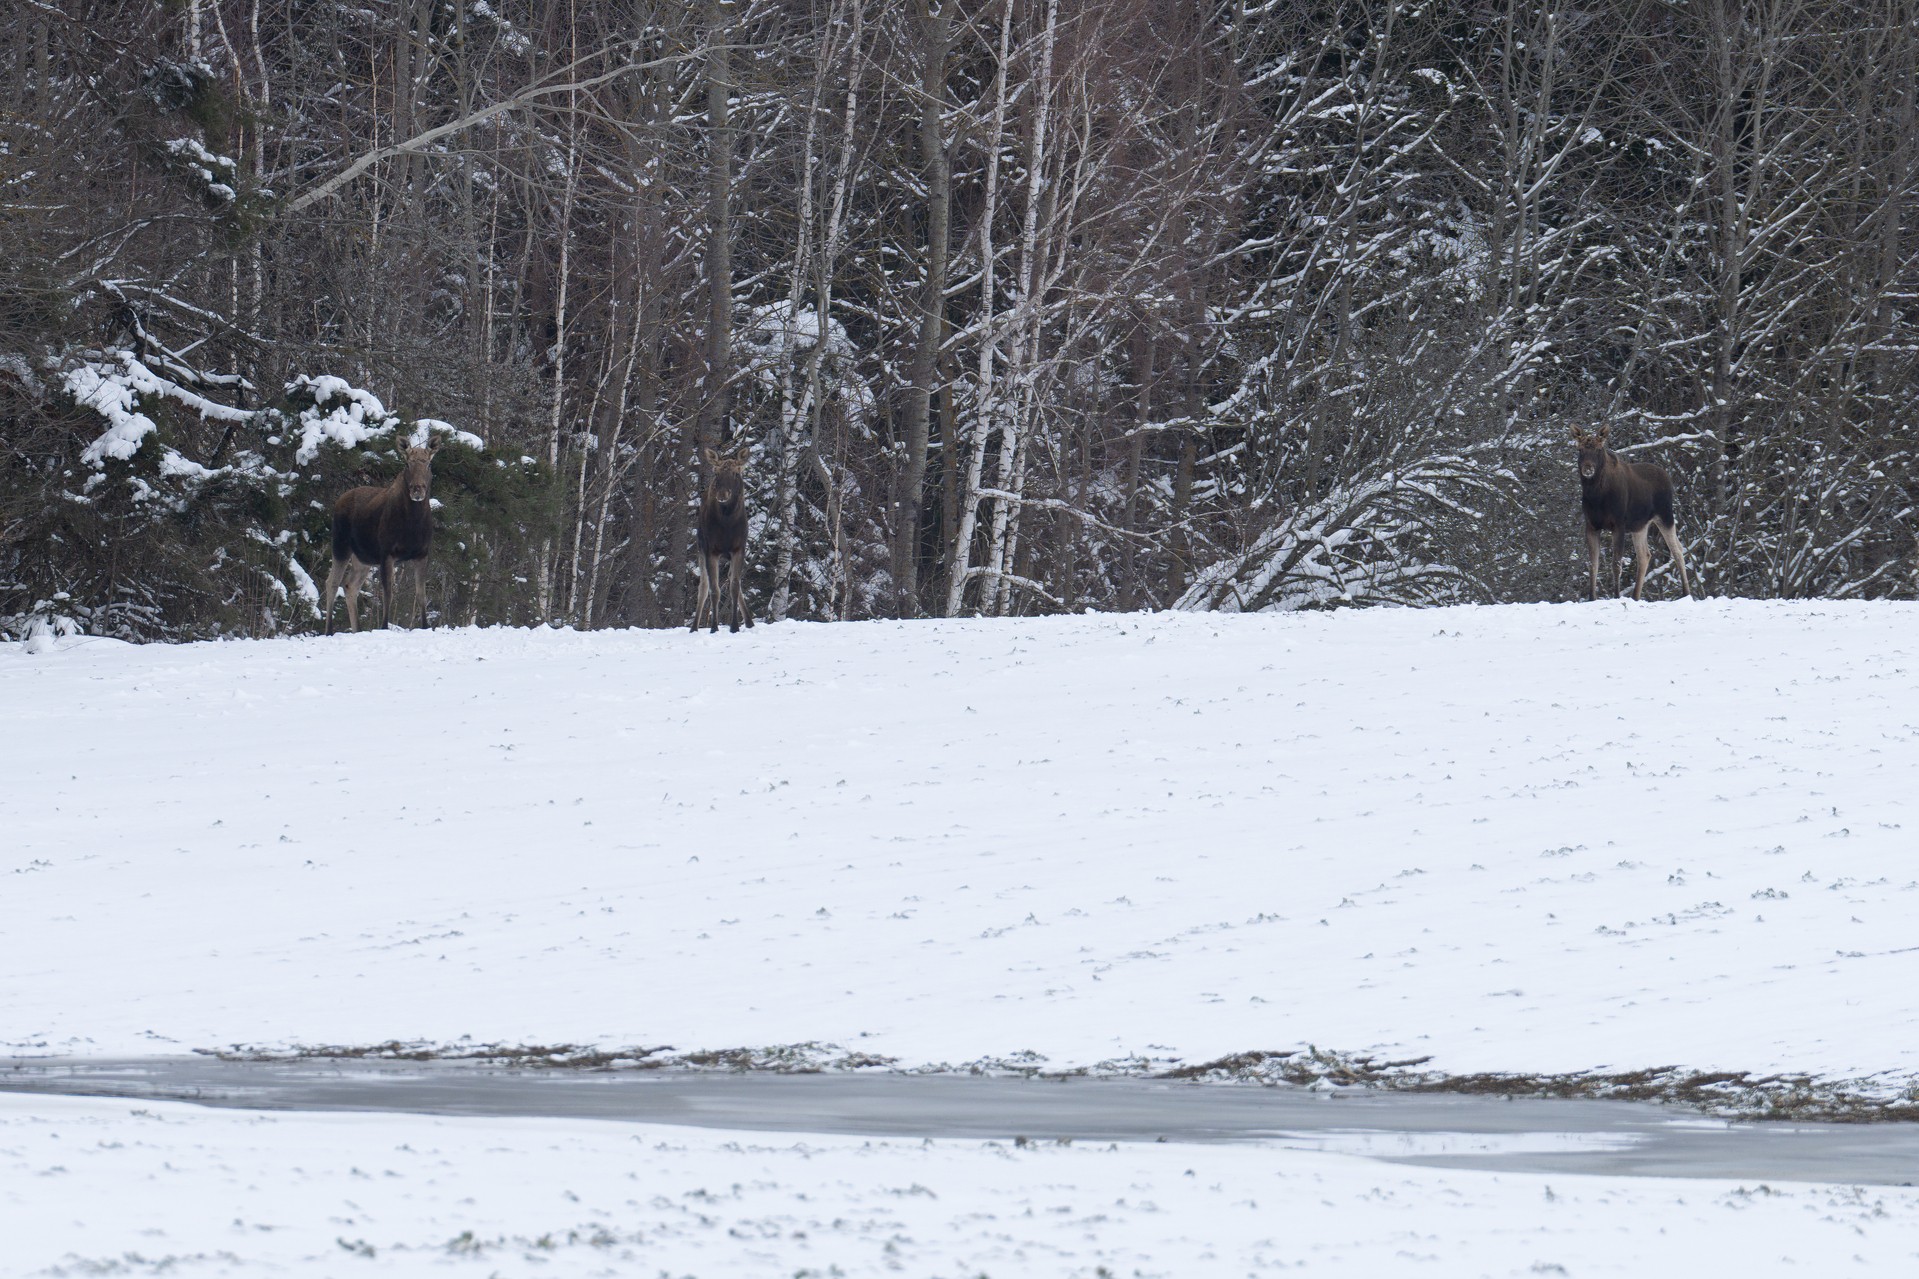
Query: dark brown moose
{"x": 1621, "y": 498}
{"x": 722, "y": 540}
{"x": 387, "y": 528}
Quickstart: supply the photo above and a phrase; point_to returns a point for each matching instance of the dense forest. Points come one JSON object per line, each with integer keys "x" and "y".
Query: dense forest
{"x": 1012, "y": 306}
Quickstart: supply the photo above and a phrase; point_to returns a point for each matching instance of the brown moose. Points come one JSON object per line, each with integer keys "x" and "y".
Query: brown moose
{"x": 387, "y": 528}
{"x": 1621, "y": 498}
{"x": 721, "y": 535}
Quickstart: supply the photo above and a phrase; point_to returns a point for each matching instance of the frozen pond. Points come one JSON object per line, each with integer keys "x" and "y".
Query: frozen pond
{"x": 1473, "y": 1132}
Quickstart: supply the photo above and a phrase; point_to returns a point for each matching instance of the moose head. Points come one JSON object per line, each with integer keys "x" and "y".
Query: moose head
{"x": 418, "y": 476}
{"x": 726, "y": 481}
{"x": 1592, "y": 451}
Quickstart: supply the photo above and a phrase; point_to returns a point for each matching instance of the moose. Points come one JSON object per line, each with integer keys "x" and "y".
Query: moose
{"x": 721, "y": 535}
{"x": 1621, "y": 498}
{"x": 384, "y": 527}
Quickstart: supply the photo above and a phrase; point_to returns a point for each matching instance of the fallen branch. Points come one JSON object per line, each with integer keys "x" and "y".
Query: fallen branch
{"x": 421, "y": 141}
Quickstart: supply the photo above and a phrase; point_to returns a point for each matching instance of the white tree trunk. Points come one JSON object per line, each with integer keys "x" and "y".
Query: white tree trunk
{"x": 792, "y": 412}
{"x": 1012, "y": 457}
{"x": 840, "y": 576}
{"x": 985, "y": 405}
{"x": 545, "y": 576}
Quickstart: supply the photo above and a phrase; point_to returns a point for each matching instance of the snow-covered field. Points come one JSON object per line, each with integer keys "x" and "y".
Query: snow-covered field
{"x": 1531, "y": 839}
{"x": 1521, "y": 838}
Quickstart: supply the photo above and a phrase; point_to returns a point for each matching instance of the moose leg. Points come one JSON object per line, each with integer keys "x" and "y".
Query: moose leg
{"x": 713, "y": 570}
{"x": 355, "y": 582}
{"x": 1670, "y": 536}
{"x": 334, "y": 577}
{"x": 730, "y": 590}
{"x": 1592, "y": 552}
{"x": 419, "y": 593}
{"x": 739, "y": 592}
{"x": 699, "y": 606}
{"x": 1618, "y": 555}
{"x": 1642, "y": 557}
{"x": 387, "y": 569}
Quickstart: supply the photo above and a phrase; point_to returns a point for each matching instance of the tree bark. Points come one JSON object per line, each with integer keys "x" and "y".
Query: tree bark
{"x": 719, "y": 223}
{"x": 996, "y": 595}
{"x": 985, "y": 408}
{"x": 932, "y": 20}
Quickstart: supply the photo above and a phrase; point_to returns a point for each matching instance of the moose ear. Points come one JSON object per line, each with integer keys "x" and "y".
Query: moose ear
{"x": 1599, "y": 436}
{"x": 712, "y": 458}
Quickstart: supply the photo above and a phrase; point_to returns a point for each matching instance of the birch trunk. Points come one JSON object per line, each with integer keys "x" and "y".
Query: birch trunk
{"x": 792, "y": 412}
{"x": 1012, "y": 456}
{"x": 609, "y": 467}
{"x": 567, "y": 194}
{"x": 961, "y": 559}
{"x": 823, "y": 298}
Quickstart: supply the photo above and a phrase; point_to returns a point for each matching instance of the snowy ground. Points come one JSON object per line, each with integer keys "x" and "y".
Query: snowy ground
{"x": 1516, "y": 839}
{"x": 91, "y": 1188}
{"x": 1521, "y": 839}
